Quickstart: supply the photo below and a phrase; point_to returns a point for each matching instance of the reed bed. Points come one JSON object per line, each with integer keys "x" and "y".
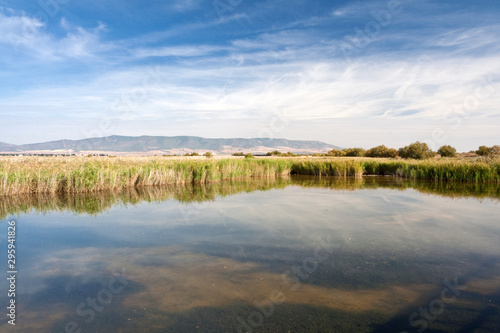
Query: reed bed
{"x": 478, "y": 170}
{"x": 80, "y": 175}
{"x": 89, "y": 175}
{"x": 451, "y": 169}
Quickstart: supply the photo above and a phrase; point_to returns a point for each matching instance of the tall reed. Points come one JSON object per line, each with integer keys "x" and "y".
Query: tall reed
{"x": 81, "y": 175}
{"x": 77, "y": 175}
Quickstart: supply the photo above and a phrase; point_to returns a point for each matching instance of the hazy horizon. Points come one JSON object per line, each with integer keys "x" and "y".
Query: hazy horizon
{"x": 215, "y": 138}
{"x": 347, "y": 73}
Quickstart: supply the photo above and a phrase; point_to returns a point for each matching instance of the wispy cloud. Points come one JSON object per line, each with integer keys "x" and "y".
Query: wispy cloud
{"x": 230, "y": 70}
{"x": 177, "y": 51}
{"x": 28, "y": 36}
{"x": 184, "y": 5}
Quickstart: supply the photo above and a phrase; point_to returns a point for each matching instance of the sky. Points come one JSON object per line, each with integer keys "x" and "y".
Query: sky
{"x": 349, "y": 73}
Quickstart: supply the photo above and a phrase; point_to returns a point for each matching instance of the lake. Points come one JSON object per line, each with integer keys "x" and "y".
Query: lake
{"x": 295, "y": 254}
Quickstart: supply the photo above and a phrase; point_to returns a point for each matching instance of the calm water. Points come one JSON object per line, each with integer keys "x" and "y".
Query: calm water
{"x": 289, "y": 255}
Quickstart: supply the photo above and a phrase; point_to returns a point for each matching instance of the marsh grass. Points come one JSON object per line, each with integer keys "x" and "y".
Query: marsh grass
{"x": 452, "y": 169}
{"x": 20, "y": 175}
{"x": 79, "y": 175}
{"x": 478, "y": 170}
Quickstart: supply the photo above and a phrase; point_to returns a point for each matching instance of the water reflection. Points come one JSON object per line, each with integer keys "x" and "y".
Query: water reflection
{"x": 95, "y": 203}
{"x": 296, "y": 254}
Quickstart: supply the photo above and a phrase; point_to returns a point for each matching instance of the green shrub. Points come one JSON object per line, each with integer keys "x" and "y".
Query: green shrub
{"x": 495, "y": 150}
{"x": 274, "y": 153}
{"x": 447, "y": 151}
{"x": 354, "y": 152}
{"x": 381, "y": 151}
{"x": 336, "y": 153}
{"x": 249, "y": 156}
{"x": 484, "y": 151}
{"x": 417, "y": 150}
{"x": 208, "y": 154}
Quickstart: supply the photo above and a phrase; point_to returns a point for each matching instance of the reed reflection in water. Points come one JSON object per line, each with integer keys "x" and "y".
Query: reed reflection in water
{"x": 99, "y": 202}
{"x": 211, "y": 258}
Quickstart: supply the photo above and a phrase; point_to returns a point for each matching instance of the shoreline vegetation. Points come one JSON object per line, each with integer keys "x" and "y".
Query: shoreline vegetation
{"x": 24, "y": 175}
{"x": 97, "y": 203}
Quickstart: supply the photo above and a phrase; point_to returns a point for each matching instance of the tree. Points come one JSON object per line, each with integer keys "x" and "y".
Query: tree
{"x": 417, "y": 150}
{"x": 392, "y": 153}
{"x": 335, "y": 153}
{"x": 382, "y": 151}
{"x": 484, "y": 151}
{"x": 274, "y": 153}
{"x": 495, "y": 150}
{"x": 208, "y": 154}
{"x": 249, "y": 156}
{"x": 354, "y": 152}
{"x": 447, "y": 151}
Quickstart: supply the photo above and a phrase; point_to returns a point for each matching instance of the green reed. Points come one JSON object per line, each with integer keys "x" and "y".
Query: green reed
{"x": 83, "y": 174}
{"x": 77, "y": 175}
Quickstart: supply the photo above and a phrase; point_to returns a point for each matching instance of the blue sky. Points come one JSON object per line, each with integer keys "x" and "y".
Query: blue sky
{"x": 350, "y": 73}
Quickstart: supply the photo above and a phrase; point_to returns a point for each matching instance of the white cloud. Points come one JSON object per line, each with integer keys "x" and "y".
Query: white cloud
{"x": 21, "y": 34}
{"x": 304, "y": 90}
{"x": 301, "y": 75}
{"x": 361, "y": 8}
{"x": 177, "y": 51}
{"x": 80, "y": 43}
{"x": 467, "y": 40}
{"x": 184, "y": 5}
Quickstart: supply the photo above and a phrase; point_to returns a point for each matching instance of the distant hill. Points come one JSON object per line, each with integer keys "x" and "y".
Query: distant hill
{"x": 7, "y": 147}
{"x": 170, "y": 145}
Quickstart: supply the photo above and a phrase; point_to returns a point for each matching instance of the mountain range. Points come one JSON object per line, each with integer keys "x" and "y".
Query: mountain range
{"x": 149, "y": 145}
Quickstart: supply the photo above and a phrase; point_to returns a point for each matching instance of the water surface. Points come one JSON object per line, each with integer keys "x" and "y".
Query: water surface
{"x": 299, "y": 254}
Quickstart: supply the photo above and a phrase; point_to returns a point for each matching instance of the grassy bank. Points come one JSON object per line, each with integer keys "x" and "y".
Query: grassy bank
{"x": 80, "y": 175}
{"x": 478, "y": 170}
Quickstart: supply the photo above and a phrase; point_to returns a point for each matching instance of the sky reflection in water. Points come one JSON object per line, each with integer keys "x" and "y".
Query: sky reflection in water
{"x": 297, "y": 254}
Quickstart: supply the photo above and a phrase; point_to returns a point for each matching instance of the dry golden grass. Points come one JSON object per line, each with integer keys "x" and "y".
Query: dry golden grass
{"x": 83, "y": 174}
